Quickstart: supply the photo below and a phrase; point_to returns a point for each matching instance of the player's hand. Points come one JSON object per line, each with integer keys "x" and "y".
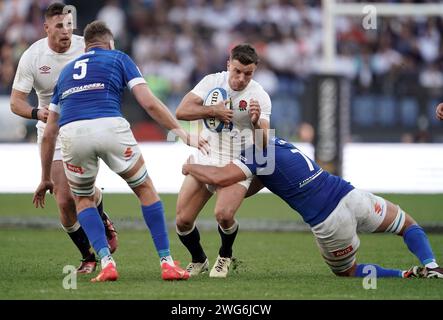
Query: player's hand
{"x": 254, "y": 111}
{"x": 222, "y": 113}
{"x": 43, "y": 113}
{"x": 198, "y": 142}
{"x": 190, "y": 160}
{"x": 40, "y": 193}
{"x": 439, "y": 111}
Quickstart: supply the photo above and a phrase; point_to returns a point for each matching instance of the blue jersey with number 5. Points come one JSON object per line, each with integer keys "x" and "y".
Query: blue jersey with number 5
{"x": 92, "y": 85}
{"x": 298, "y": 180}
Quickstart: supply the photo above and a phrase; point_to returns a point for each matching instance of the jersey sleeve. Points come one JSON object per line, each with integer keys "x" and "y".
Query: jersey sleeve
{"x": 246, "y": 162}
{"x": 131, "y": 72}
{"x": 265, "y": 106}
{"x": 55, "y": 100}
{"x": 24, "y": 78}
{"x": 204, "y": 86}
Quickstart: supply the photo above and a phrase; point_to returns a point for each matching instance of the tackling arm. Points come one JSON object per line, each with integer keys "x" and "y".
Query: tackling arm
{"x": 221, "y": 176}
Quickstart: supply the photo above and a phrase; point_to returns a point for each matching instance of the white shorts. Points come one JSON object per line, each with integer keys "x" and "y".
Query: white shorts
{"x": 84, "y": 142}
{"x": 57, "y": 151}
{"x": 337, "y": 239}
{"x": 212, "y": 161}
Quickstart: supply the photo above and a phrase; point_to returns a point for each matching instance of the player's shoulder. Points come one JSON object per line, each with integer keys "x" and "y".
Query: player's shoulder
{"x": 258, "y": 88}
{"x": 37, "y": 48}
{"x": 77, "y": 42}
{"x": 217, "y": 77}
{"x": 117, "y": 54}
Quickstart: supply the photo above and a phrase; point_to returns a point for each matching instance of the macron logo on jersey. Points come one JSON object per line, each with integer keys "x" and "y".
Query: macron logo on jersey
{"x": 87, "y": 87}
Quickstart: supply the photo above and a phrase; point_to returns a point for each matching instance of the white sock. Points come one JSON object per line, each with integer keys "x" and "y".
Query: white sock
{"x": 168, "y": 260}
{"x": 431, "y": 265}
{"x": 107, "y": 260}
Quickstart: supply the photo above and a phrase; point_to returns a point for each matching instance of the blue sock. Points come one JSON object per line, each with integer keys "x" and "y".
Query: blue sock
{"x": 418, "y": 243}
{"x": 93, "y": 226}
{"x": 380, "y": 272}
{"x": 155, "y": 220}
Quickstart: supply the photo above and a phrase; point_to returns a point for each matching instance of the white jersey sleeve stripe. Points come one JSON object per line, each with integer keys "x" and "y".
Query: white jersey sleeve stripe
{"x": 243, "y": 168}
{"x": 54, "y": 107}
{"x": 134, "y": 82}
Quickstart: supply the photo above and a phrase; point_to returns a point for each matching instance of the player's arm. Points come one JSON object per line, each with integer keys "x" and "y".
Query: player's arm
{"x": 21, "y": 107}
{"x": 221, "y": 176}
{"x": 191, "y": 108}
{"x": 160, "y": 113}
{"x": 261, "y": 124}
{"x": 47, "y": 154}
{"x": 23, "y": 83}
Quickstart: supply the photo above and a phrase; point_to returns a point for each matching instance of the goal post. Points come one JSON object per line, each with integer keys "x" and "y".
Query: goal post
{"x": 330, "y": 89}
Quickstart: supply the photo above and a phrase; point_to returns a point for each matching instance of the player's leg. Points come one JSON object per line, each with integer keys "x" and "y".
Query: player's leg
{"x": 122, "y": 154}
{"x": 153, "y": 213}
{"x": 111, "y": 232}
{"x": 399, "y": 222}
{"x": 81, "y": 167}
{"x": 68, "y": 217}
{"x": 228, "y": 201}
{"x": 338, "y": 241}
{"x": 255, "y": 187}
{"x": 192, "y": 197}
{"x": 91, "y": 222}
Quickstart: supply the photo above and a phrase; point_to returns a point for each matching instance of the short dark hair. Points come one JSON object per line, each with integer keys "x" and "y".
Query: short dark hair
{"x": 245, "y": 53}
{"x": 97, "y": 31}
{"x": 54, "y": 9}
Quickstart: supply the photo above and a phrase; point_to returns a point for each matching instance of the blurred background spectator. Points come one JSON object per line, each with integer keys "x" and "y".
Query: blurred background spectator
{"x": 396, "y": 71}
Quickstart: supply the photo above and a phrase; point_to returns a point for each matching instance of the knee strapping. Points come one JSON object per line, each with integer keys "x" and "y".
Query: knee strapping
{"x": 397, "y": 225}
{"x": 84, "y": 190}
{"x": 138, "y": 178}
{"x": 341, "y": 265}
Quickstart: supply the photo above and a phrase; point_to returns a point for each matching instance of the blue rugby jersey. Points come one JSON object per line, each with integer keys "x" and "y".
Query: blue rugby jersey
{"x": 92, "y": 85}
{"x": 298, "y": 180}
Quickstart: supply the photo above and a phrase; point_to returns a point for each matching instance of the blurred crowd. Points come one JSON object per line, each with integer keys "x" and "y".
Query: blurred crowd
{"x": 176, "y": 42}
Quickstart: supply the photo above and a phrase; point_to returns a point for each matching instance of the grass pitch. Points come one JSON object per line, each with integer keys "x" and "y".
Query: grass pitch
{"x": 272, "y": 265}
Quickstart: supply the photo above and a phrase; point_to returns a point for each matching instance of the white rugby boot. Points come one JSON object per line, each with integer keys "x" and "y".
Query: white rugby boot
{"x": 221, "y": 267}
{"x": 196, "y": 268}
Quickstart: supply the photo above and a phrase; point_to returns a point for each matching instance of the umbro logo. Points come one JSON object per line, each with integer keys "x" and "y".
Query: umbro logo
{"x": 44, "y": 69}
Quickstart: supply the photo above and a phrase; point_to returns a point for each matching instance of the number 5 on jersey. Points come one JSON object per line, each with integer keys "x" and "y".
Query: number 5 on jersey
{"x": 83, "y": 68}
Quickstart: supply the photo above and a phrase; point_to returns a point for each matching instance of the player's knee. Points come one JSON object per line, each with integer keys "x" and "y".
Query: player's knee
{"x": 409, "y": 221}
{"x": 66, "y": 205}
{"x": 184, "y": 223}
{"x": 400, "y": 222}
{"x": 225, "y": 217}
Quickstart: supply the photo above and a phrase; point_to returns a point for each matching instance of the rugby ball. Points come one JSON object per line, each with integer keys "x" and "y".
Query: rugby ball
{"x": 215, "y": 96}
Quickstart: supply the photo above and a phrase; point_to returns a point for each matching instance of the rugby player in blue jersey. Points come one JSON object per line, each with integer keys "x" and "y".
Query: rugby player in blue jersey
{"x": 85, "y": 108}
{"x": 333, "y": 208}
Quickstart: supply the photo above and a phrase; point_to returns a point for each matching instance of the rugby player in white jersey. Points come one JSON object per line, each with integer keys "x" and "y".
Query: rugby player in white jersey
{"x": 39, "y": 68}
{"x": 246, "y": 98}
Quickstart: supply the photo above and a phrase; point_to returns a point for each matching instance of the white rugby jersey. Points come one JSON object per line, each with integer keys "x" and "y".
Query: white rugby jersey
{"x": 40, "y": 67}
{"x": 227, "y": 145}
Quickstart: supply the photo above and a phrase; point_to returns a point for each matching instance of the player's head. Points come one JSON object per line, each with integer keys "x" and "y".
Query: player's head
{"x": 97, "y": 34}
{"x": 241, "y": 66}
{"x": 58, "y": 27}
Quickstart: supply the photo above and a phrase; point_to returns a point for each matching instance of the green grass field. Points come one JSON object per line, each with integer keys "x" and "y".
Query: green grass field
{"x": 272, "y": 265}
